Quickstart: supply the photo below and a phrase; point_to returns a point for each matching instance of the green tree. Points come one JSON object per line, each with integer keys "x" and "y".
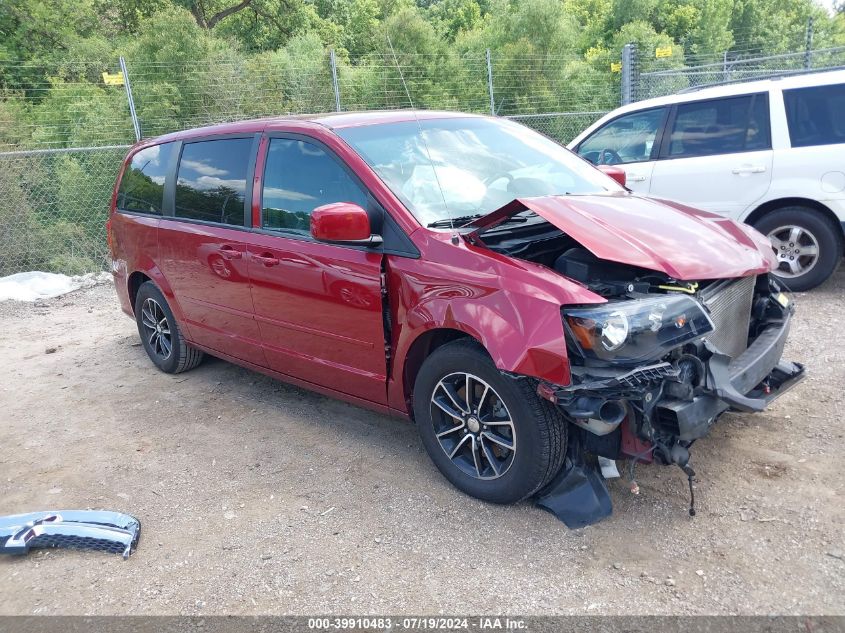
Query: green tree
{"x": 357, "y": 22}
{"x": 779, "y": 26}
{"x": 452, "y": 17}
{"x": 38, "y": 30}
{"x": 678, "y": 20}
{"x": 594, "y": 19}
{"x": 712, "y": 32}
{"x": 627, "y": 11}
{"x": 209, "y": 13}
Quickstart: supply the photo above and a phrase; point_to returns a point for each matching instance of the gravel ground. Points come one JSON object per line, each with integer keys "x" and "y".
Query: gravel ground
{"x": 261, "y": 498}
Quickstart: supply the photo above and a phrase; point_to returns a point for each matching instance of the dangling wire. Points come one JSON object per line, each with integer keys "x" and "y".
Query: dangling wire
{"x": 691, "y": 494}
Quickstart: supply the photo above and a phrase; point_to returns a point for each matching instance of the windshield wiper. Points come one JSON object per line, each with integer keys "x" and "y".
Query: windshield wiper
{"x": 461, "y": 222}
{"x": 454, "y": 222}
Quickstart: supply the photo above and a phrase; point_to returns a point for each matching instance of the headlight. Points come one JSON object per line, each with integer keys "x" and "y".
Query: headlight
{"x": 631, "y": 331}
{"x": 614, "y": 331}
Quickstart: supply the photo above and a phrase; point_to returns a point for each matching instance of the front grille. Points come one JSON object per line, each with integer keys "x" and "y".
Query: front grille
{"x": 644, "y": 376}
{"x": 729, "y": 304}
{"x": 101, "y": 530}
{"x": 68, "y": 541}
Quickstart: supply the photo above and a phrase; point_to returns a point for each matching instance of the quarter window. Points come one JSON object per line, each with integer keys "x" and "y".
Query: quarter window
{"x": 628, "y": 139}
{"x": 142, "y": 186}
{"x": 720, "y": 126}
{"x": 299, "y": 177}
{"x": 814, "y": 115}
{"x": 211, "y": 183}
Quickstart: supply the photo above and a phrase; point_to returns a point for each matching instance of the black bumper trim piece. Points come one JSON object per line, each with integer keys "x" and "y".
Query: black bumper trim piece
{"x": 577, "y": 495}
{"x": 732, "y": 384}
{"x": 733, "y": 380}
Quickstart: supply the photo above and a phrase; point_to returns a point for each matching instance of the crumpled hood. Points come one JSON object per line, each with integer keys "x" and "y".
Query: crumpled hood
{"x": 683, "y": 242}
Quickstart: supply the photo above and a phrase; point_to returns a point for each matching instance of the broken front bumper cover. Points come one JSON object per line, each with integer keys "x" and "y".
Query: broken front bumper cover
{"x": 736, "y": 381}
{"x": 750, "y": 382}
{"x": 105, "y": 531}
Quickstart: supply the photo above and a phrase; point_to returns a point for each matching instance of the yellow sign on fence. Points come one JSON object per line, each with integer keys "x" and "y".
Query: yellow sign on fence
{"x": 616, "y": 67}
{"x": 113, "y": 80}
{"x": 665, "y": 51}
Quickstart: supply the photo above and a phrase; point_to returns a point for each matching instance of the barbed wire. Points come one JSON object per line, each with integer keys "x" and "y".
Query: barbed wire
{"x": 656, "y": 78}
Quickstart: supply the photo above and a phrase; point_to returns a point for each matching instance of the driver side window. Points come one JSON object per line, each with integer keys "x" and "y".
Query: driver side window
{"x": 299, "y": 177}
{"x": 628, "y": 139}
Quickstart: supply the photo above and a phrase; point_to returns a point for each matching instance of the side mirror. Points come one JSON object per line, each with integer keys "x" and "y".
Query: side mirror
{"x": 342, "y": 222}
{"x": 617, "y": 173}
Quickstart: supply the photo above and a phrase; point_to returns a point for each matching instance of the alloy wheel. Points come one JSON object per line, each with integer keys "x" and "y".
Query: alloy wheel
{"x": 797, "y": 250}
{"x": 156, "y": 329}
{"x": 473, "y": 426}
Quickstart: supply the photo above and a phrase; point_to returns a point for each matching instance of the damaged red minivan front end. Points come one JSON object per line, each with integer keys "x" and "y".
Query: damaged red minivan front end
{"x": 690, "y": 325}
{"x": 643, "y": 321}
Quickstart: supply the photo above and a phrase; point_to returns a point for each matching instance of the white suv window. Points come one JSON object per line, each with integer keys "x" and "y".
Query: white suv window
{"x": 814, "y": 115}
{"x": 720, "y": 126}
{"x": 627, "y": 139}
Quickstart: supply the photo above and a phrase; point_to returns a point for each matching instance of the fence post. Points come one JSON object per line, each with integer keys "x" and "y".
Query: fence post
{"x": 725, "y": 67}
{"x": 490, "y": 84}
{"x": 629, "y": 73}
{"x": 335, "y": 87}
{"x": 132, "y": 112}
{"x": 808, "y": 46}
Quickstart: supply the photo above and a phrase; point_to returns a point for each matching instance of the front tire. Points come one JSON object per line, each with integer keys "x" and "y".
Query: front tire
{"x": 490, "y": 434}
{"x": 160, "y": 333}
{"x": 807, "y": 244}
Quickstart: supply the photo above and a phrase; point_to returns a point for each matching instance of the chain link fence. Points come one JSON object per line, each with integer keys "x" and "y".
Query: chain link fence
{"x": 54, "y": 207}
{"x": 64, "y": 129}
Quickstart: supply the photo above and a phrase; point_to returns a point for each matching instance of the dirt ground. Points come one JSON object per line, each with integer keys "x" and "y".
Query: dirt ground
{"x": 261, "y": 498}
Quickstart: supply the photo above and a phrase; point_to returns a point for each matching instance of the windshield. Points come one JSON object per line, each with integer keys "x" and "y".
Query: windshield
{"x": 461, "y": 168}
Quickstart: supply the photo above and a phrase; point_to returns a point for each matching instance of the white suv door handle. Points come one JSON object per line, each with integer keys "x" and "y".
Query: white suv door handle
{"x": 749, "y": 169}
{"x": 636, "y": 178}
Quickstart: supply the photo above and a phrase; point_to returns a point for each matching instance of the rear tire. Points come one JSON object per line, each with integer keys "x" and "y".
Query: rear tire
{"x": 160, "y": 333}
{"x": 808, "y": 245}
{"x": 477, "y": 432}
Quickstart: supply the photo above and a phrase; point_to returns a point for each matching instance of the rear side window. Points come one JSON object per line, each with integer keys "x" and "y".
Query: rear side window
{"x": 628, "y": 139}
{"x": 815, "y": 115}
{"x": 142, "y": 186}
{"x": 720, "y": 126}
{"x": 211, "y": 182}
{"x": 299, "y": 177}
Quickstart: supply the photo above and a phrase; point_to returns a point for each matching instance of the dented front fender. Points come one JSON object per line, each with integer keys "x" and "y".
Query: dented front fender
{"x": 512, "y": 307}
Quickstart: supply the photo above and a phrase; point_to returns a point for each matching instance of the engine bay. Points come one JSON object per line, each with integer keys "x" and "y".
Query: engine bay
{"x": 540, "y": 242}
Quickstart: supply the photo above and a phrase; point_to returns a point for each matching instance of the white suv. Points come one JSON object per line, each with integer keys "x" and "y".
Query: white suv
{"x": 770, "y": 153}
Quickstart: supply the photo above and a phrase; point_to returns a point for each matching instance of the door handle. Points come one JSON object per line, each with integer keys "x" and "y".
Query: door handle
{"x": 229, "y": 253}
{"x": 267, "y": 259}
{"x": 749, "y": 169}
{"x": 636, "y": 178}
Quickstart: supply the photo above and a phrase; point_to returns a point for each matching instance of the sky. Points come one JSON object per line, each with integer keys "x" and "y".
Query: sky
{"x": 827, "y": 4}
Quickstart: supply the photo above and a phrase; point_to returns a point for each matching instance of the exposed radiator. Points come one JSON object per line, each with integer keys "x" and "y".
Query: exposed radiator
{"x": 729, "y": 303}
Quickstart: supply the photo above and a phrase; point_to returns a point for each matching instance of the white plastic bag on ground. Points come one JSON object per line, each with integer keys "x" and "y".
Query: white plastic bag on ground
{"x": 36, "y": 285}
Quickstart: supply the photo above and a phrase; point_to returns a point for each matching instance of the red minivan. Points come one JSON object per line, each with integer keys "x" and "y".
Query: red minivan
{"x": 524, "y": 309}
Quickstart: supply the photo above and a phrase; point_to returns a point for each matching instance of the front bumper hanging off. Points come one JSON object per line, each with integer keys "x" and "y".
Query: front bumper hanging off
{"x": 749, "y": 383}
{"x": 665, "y": 413}
{"x": 112, "y": 532}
